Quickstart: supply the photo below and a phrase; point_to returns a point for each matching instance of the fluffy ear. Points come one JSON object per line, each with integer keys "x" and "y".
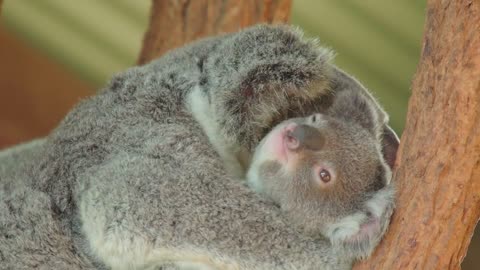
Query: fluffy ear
{"x": 354, "y": 107}
{"x": 358, "y": 234}
{"x": 258, "y": 75}
{"x": 390, "y": 144}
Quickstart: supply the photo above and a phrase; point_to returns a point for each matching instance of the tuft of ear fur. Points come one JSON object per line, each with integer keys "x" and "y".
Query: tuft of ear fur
{"x": 390, "y": 143}
{"x": 354, "y": 107}
{"x": 260, "y": 74}
{"x": 358, "y": 234}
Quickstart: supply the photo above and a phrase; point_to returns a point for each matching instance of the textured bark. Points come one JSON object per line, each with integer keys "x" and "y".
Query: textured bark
{"x": 176, "y": 22}
{"x": 438, "y": 169}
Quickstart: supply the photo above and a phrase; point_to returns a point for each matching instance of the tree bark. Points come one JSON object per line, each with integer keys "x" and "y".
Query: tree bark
{"x": 438, "y": 168}
{"x": 176, "y": 22}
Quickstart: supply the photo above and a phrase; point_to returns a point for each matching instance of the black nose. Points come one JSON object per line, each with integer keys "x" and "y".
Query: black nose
{"x": 307, "y": 137}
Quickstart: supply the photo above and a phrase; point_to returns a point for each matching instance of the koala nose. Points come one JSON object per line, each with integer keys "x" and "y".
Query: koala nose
{"x": 291, "y": 140}
{"x": 298, "y": 136}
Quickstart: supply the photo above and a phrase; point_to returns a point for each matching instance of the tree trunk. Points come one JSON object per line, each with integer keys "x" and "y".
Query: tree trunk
{"x": 438, "y": 169}
{"x": 176, "y": 22}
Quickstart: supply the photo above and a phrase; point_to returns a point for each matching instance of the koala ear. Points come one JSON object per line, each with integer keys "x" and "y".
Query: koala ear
{"x": 358, "y": 234}
{"x": 390, "y": 144}
{"x": 355, "y": 107}
{"x": 257, "y": 76}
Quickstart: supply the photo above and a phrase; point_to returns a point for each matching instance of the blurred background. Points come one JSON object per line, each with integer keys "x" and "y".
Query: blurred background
{"x": 54, "y": 52}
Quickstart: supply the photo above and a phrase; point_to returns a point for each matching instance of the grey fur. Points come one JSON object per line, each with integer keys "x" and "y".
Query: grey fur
{"x": 31, "y": 236}
{"x": 345, "y": 141}
{"x": 129, "y": 180}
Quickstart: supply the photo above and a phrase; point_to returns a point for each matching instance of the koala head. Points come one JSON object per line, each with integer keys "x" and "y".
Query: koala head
{"x": 330, "y": 173}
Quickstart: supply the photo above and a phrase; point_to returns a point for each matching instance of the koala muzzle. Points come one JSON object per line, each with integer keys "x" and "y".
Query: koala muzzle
{"x": 304, "y": 136}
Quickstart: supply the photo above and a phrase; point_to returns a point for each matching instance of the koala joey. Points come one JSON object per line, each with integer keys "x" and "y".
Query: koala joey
{"x": 328, "y": 174}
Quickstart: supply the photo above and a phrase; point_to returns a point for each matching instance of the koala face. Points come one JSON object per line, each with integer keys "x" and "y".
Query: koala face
{"x": 320, "y": 170}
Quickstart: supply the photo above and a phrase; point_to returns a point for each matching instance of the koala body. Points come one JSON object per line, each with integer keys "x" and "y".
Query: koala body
{"x": 328, "y": 174}
{"x": 133, "y": 181}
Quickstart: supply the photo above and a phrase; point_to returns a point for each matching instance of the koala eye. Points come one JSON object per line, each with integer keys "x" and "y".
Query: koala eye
{"x": 324, "y": 176}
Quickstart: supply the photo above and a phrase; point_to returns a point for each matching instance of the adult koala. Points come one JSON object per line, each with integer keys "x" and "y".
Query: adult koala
{"x": 129, "y": 179}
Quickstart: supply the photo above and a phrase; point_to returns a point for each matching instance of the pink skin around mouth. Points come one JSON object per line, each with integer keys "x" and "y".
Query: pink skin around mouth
{"x": 277, "y": 143}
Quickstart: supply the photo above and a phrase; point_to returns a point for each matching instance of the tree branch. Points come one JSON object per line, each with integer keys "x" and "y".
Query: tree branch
{"x": 176, "y": 22}
{"x": 438, "y": 169}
